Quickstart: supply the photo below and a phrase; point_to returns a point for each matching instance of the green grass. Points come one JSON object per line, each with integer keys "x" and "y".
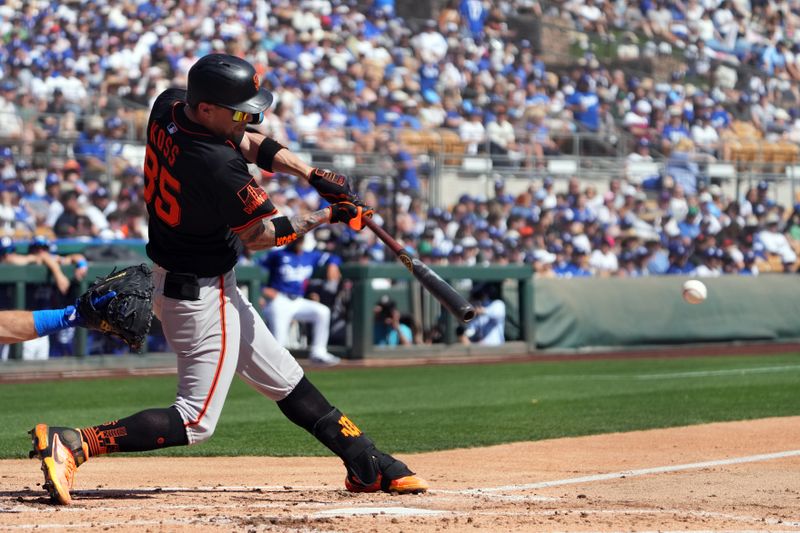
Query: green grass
{"x": 441, "y": 407}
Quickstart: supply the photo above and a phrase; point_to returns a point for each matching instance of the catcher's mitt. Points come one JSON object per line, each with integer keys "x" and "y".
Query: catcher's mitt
{"x": 128, "y": 315}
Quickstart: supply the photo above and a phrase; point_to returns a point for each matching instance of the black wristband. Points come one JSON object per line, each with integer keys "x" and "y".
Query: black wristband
{"x": 284, "y": 232}
{"x": 266, "y": 153}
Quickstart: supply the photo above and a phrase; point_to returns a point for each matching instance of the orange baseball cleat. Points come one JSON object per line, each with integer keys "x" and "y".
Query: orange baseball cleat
{"x": 404, "y": 485}
{"x": 61, "y": 451}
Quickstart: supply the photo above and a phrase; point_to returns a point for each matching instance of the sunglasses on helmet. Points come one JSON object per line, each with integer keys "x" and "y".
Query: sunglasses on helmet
{"x": 241, "y": 116}
{"x": 252, "y": 118}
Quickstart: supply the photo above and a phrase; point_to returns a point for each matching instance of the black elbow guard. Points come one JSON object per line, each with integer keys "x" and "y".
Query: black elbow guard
{"x": 266, "y": 153}
{"x": 284, "y": 232}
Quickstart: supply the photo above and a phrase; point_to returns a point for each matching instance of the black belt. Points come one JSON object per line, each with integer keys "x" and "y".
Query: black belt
{"x": 181, "y": 286}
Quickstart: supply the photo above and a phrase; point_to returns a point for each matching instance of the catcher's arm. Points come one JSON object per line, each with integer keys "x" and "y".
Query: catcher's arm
{"x": 18, "y": 326}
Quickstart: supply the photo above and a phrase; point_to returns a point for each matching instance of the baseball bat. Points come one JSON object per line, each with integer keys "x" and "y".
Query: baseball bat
{"x": 439, "y": 288}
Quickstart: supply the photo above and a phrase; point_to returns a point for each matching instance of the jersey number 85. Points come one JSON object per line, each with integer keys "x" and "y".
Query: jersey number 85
{"x": 161, "y": 187}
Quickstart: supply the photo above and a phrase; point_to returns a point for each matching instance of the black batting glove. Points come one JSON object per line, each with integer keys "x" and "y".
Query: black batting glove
{"x": 332, "y": 186}
{"x": 351, "y": 214}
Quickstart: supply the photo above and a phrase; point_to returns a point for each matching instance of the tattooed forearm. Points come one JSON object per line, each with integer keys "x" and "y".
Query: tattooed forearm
{"x": 262, "y": 234}
{"x": 302, "y": 224}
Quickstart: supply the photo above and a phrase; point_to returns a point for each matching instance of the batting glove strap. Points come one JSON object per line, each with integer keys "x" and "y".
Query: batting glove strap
{"x": 351, "y": 214}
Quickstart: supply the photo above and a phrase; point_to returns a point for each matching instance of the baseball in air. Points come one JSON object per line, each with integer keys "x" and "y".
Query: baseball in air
{"x": 694, "y": 291}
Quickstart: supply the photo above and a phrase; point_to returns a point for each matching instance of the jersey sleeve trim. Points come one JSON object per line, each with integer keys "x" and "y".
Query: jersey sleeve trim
{"x": 238, "y": 229}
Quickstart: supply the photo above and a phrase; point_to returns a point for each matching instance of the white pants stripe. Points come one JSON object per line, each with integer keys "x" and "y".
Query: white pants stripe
{"x": 215, "y": 337}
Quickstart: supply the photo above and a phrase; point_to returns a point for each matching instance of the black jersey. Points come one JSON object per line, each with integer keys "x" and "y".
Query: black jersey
{"x": 198, "y": 192}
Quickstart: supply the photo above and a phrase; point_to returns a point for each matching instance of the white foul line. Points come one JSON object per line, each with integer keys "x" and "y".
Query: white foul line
{"x": 726, "y": 372}
{"x": 640, "y": 472}
{"x": 676, "y": 375}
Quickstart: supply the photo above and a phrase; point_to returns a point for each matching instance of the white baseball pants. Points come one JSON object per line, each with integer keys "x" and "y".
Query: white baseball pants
{"x": 282, "y": 310}
{"x": 215, "y": 337}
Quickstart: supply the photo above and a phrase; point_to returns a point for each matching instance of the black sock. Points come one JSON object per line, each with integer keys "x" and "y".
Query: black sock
{"x": 305, "y": 405}
{"x": 146, "y": 430}
{"x": 308, "y": 408}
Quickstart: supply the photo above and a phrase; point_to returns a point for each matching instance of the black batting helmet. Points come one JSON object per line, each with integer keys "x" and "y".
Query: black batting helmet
{"x": 227, "y": 81}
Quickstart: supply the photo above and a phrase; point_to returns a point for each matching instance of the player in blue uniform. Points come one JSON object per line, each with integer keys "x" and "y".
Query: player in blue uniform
{"x": 290, "y": 270}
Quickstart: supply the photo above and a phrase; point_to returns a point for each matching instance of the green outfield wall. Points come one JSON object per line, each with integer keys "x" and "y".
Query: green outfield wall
{"x": 542, "y": 314}
{"x": 590, "y": 312}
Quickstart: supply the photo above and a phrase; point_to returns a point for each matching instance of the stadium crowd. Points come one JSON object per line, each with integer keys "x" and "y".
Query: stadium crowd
{"x": 78, "y": 78}
{"x": 760, "y": 34}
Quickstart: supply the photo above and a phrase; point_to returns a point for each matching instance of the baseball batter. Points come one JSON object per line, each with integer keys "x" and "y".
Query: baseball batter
{"x": 203, "y": 205}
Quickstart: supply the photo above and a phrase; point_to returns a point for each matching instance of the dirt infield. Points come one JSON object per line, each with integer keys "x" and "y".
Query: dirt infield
{"x": 724, "y": 476}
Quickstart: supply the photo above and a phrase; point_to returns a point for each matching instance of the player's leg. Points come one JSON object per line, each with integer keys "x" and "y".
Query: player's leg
{"x": 279, "y": 314}
{"x": 206, "y": 341}
{"x": 270, "y": 369}
{"x": 264, "y": 363}
{"x": 205, "y": 336}
{"x": 368, "y": 468}
{"x": 36, "y": 349}
{"x": 319, "y": 315}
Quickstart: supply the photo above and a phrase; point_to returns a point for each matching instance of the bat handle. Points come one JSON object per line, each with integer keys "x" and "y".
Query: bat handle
{"x": 383, "y": 235}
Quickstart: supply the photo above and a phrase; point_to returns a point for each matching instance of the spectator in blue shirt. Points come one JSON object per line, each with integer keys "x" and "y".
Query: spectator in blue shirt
{"x": 90, "y": 149}
{"x": 386, "y": 6}
{"x": 576, "y": 267}
{"x": 407, "y": 177}
{"x": 749, "y": 268}
{"x": 474, "y": 13}
{"x": 682, "y": 167}
{"x": 289, "y": 49}
{"x": 410, "y": 118}
{"x": 428, "y": 76}
{"x": 388, "y": 330}
{"x": 773, "y": 58}
{"x": 674, "y": 130}
{"x": 679, "y": 261}
{"x": 720, "y": 118}
{"x": 585, "y": 106}
{"x": 361, "y": 126}
{"x": 690, "y": 226}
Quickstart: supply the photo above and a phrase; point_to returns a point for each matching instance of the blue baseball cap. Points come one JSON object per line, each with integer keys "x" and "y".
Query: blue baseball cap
{"x": 39, "y": 241}
{"x": 113, "y": 122}
{"x": 677, "y": 249}
{"x": 6, "y": 245}
{"x": 42, "y": 242}
{"x": 52, "y": 179}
